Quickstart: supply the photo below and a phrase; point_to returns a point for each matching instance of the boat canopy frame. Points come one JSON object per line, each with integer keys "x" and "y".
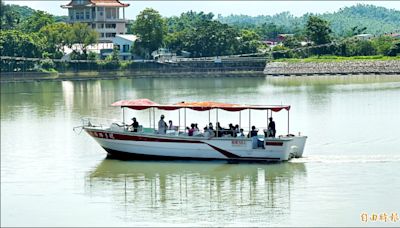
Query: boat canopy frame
{"x": 142, "y": 104}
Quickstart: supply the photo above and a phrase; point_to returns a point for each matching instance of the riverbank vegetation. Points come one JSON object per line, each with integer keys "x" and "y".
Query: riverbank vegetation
{"x": 35, "y": 34}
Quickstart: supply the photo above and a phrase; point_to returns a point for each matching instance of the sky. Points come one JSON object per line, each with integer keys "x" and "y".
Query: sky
{"x": 253, "y": 8}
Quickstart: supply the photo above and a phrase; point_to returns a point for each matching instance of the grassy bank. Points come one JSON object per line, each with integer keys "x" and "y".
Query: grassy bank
{"x": 331, "y": 58}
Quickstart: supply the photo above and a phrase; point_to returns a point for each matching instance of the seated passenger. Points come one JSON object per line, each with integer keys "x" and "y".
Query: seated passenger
{"x": 253, "y": 132}
{"x": 210, "y": 126}
{"x": 241, "y": 133}
{"x": 220, "y": 130}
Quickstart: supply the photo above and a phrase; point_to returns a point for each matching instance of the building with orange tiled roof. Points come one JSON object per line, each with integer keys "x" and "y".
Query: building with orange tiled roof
{"x": 107, "y": 17}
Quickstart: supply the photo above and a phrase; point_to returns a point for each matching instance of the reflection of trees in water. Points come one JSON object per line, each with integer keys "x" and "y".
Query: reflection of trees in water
{"x": 253, "y": 190}
{"x": 93, "y": 97}
{"x": 319, "y": 89}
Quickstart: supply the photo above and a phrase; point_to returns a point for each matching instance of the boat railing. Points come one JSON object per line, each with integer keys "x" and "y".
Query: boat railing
{"x": 101, "y": 123}
{"x": 115, "y": 125}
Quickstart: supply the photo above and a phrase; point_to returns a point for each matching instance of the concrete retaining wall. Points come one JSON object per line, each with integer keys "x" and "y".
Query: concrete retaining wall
{"x": 344, "y": 67}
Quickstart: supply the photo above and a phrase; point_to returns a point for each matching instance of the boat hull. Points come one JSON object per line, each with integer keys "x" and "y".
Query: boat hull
{"x": 129, "y": 145}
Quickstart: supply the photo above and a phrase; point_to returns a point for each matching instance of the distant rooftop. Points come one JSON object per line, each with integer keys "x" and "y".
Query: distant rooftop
{"x": 129, "y": 37}
{"x": 106, "y": 3}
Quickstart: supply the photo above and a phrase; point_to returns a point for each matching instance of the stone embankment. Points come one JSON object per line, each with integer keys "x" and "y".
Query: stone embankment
{"x": 344, "y": 67}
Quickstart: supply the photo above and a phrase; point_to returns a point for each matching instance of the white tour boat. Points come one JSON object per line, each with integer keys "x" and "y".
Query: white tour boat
{"x": 146, "y": 143}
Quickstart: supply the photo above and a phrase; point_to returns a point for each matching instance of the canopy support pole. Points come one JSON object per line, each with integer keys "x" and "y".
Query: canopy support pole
{"x": 179, "y": 119}
{"x": 154, "y": 118}
{"x": 209, "y": 117}
{"x": 123, "y": 115}
{"x": 240, "y": 120}
{"x": 216, "y": 123}
{"x": 149, "y": 117}
{"x": 184, "y": 122}
{"x": 267, "y": 120}
{"x": 288, "y": 122}
{"x": 249, "y": 120}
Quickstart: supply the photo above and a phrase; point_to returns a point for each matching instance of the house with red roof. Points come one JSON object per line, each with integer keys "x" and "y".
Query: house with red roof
{"x": 107, "y": 17}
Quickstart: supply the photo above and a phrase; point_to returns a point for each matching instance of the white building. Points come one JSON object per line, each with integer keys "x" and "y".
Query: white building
{"x": 123, "y": 43}
{"x": 102, "y": 15}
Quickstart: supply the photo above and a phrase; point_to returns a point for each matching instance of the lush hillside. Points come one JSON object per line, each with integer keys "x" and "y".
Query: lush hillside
{"x": 376, "y": 20}
{"x": 25, "y": 12}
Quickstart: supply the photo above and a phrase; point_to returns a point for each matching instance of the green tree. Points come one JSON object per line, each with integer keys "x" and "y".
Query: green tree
{"x": 56, "y": 36}
{"x": 19, "y": 44}
{"x": 149, "y": 26}
{"x": 383, "y": 44}
{"x": 38, "y": 20}
{"x": 318, "y": 30}
{"x": 82, "y": 36}
{"x": 269, "y": 30}
{"x": 9, "y": 18}
{"x": 291, "y": 42}
{"x": 249, "y": 42}
{"x": 211, "y": 38}
{"x": 395, "y": 49}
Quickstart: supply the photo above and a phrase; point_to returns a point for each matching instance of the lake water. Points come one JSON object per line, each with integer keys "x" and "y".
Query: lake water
{"x": 52, "y": 176}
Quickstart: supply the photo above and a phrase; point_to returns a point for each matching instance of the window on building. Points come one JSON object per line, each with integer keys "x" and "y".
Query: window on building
{"x": 125, "y": 48}
{"x": 87, "y": 15}
{"x": 102, "y": 34}
{"x": 100, "y": 26}
{"x": 108, "y": 13}
{"x": 109, "y": 34}
{"x": 117, "y": 47}
{"x": 113, "y": 26}
{"x": 81, "y": 16}
{"x": 93, "y": 26}
{"x": 77, "y": 15}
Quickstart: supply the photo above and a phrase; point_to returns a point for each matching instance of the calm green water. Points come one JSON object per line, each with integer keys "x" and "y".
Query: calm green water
{"x": 51, "y": 176}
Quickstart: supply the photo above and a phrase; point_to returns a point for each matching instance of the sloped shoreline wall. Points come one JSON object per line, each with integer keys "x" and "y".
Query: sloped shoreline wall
{"x": 343, "y": 67}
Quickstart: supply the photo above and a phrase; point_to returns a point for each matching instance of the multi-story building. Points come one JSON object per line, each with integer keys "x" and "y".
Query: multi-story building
{"x": 102, "y": 15}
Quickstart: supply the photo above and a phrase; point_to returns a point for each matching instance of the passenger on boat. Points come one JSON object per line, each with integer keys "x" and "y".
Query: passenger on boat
{"x": 171, "y": 126}
{"x": 135, "y": 125}
{"x": 191, "y": 130}
{"x": 162, "y": 126}
{"x": 253, "y": 132}
{"x": 253, "y": 135}
{"x": 219, "y": 130}
{"x": 271, "y": 128}
{"x": 241, "y": 133}
{"x": 231, "y": 130}
{"x": 237, "y": 130}
{"x": 196, "y": 130}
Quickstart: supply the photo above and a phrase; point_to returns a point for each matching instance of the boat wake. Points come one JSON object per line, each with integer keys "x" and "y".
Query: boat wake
{"x": 347, "y": 159}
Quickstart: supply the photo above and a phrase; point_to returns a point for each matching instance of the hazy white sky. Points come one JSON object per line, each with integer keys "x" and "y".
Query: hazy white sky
{"x": 169, "y": 8}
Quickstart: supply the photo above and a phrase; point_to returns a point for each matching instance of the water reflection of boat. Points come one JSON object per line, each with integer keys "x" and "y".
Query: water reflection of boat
{"x": 212, "y": 144}
{"x": 148, "y": 184}
{"x": 115, "y": 169}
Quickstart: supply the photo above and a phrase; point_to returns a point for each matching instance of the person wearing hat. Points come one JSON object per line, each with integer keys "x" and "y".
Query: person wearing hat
{"x": 271, "y": 128}
{"x": 134, "y": 125}
{"x": 162, "y": 126}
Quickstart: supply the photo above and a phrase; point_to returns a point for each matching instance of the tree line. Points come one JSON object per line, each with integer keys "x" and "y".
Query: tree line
{"x": 199, "y": 34}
